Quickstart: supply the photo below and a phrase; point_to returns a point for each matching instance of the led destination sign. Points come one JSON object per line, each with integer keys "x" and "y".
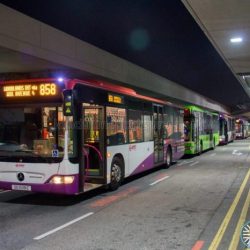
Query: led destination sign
{"x": 30, "y": 90}
{"x": 115, "y": 99}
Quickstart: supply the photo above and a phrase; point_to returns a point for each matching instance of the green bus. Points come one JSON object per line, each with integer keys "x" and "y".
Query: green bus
{"x": 201, "y": 130}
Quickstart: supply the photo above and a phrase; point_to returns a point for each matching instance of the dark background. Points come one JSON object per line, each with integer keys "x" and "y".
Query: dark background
{"x": 159, "y": 35}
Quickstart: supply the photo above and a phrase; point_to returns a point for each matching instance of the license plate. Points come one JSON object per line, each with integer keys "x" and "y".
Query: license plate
{"x": 21, "y": 187}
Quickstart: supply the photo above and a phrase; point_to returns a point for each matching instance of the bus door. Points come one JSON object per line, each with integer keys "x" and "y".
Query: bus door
{"x": 93, "y": 140}
{"x": 196, "y": 127}
{"x": 226, "y": 131}
{"x": 158, "y": 134}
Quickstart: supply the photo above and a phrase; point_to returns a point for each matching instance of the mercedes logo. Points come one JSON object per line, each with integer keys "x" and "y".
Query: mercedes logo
{"x": 20, "y": 176}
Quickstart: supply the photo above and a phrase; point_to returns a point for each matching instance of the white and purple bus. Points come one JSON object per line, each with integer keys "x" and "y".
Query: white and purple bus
{"x": 71, "y": 136}
{"x": 241, "y": 128}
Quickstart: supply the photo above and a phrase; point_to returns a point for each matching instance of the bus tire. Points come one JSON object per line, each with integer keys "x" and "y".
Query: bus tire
{"x": 116, "y": 173}
{"x": 168, "y": 158}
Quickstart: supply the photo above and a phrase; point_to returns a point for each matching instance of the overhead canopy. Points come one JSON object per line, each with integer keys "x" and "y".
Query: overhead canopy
{"x": 27, "y": 45}
{"x": 222, "y": 21}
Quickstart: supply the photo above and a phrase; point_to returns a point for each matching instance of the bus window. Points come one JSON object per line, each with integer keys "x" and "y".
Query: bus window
{"x": 135, "y": 126}
{"x": 33, "y": 131}
{"x": 168, "y": 123}
{"x": 116, "y": 126}
{"x": 148, "y": 127}
{"x": 91, "y": 125}
{"x": 181, "y": 127}
{"x": 187, "y": 130}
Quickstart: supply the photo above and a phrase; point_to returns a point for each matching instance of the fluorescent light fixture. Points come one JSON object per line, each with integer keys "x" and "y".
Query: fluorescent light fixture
{"x": 236, "y": 40}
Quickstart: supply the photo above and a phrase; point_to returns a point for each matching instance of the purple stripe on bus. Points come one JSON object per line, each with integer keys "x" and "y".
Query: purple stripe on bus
{"x": 147, "y": 164}
{"x": 47, "y": 187}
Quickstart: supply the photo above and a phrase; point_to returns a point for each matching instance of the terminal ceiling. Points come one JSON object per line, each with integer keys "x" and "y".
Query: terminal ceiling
{"x": 161, "y": 36}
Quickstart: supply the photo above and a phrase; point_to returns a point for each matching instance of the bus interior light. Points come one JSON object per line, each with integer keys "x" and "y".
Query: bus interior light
{"x": 62, "y": 180}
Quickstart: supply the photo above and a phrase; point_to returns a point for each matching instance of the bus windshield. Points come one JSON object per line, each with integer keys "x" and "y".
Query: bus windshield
{"x": 32, "y": 132}
{"x": 238, "y": 127}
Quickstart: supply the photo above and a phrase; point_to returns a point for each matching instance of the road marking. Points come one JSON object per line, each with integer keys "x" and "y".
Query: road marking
{"x": 63, "y": 226}
{"x": 162, "y": 179}
{"x": 195, "y": 163}
{"x": 112, "y": 198}
{"x": 217, "y": 239}
{"x": 213, "y": 154}
{"x": 236, "y": 235}
{"x": 181, "y": 163}
{"x": 234, "y": 152}
{"x": 6, "y": 191}
{"x": 198, "y": 245}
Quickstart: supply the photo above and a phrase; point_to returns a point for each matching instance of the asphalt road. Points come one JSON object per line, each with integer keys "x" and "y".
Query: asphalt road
{"x": 198, "y": 203}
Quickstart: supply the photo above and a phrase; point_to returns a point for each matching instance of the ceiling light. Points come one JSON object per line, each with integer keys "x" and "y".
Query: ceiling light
{"x": 236, "y": 40}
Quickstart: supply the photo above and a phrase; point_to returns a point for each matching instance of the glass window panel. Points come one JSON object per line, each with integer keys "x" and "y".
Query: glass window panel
{"x": 116, "y": 126}
{"x": 135, "y": 126}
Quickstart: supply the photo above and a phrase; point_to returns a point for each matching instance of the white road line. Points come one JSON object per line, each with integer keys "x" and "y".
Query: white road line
{"x": 236, "y": 152}
{"x": 63, "y": 226}
{"x": 196, "y": 162}
{"x": 162, "y": 179}
{"x": 181, "y": 163}
{"x": 213, "y": 154}
{"x": 5, "y": 191}
{"x": 189, "y": 162}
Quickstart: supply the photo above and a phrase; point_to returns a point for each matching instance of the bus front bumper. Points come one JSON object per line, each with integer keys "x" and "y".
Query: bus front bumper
{"x": 53, "y": 188}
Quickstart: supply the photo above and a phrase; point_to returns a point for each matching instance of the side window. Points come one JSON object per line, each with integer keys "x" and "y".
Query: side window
{"x": 135, "y": 122}
{"x": 216, "y": 123}
{"x": 116, "y": 126}
{"x": 181, "y": 125}
{"x": 175, "y": 125}
{"x": 168, "y": 123}
{"x": 148, "y": 127}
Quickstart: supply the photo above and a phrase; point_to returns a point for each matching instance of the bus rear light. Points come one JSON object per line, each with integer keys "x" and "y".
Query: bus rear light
{"x": 62, "y": 180}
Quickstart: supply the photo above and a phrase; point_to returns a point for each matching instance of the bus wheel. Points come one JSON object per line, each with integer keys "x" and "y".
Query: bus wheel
{"x": 168, "y": 158}
{"x": 116, "y": 173}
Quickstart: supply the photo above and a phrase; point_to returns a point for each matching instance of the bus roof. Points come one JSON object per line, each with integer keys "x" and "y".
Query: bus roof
{"x": 195, "y": 108}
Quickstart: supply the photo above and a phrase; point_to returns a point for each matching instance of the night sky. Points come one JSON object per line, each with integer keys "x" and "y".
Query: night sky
{"x": 159, "y": 35}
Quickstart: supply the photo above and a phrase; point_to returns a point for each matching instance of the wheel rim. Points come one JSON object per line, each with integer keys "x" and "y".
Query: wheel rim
{"x": 116, "y": 172}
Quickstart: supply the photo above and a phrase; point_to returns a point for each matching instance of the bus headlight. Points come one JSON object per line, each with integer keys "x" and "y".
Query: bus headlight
{"x": 62, "y": 180}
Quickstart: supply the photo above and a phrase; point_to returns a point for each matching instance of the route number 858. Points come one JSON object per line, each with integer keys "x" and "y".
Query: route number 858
{"x": 47, "y": 89}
